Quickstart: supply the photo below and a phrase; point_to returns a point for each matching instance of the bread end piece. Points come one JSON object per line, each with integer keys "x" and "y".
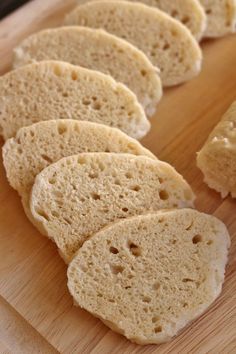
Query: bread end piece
{"x": 217, "y": 158}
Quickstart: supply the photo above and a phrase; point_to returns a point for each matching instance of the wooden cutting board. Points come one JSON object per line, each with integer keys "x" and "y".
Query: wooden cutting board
{"x": 36, "y": 309}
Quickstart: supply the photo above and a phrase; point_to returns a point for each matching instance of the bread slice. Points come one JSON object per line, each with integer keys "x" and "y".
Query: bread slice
{"x": 169, "y": 45}
{"x": 37, "y": 146}
{"x": 217, "y": 158}
{"x": 57, "y": 90}
{"x": 78, "y": 195}
{"x": 148, "y": 276}
{"x": 189, "y": 12}
{"x": 221, "y": 17}
{"x": 97, "y": 50}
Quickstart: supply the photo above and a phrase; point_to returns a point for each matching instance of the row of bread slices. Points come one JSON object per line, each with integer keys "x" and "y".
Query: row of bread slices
{"x": 140, "y": 258}
{"x": 140, "y": 40}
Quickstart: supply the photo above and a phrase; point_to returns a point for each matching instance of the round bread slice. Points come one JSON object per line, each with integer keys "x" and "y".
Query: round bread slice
{"x": 167, "y": 42}
{"x": 221, "y": 17}
{"x": 148, "y": 276}
{"x": 78, "y": 195}
{"x": 189, "y": 12}
{"x": 217, "y": 158}
{"x": 58, "y": 90}
{"x": 38, "y": 145}
{"x": 96, "y": 50}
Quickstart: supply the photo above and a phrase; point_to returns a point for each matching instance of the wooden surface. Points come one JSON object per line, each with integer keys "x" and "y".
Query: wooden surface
{"x": 35, "y": 306}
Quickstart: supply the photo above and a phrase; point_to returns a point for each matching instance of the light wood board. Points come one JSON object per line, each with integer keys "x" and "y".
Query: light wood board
{"x": 35, "y": 305}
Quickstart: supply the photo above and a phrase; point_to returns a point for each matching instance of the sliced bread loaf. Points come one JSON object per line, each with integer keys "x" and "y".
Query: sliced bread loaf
{"x": 189, "y": 12}
{"x": 217, "y": 158}
{"x": 58, "y": 90}
{"x": 221, "y": 17}
{"x": 78, "y": 195}
{"x": 169, "y": 45}
{"x": 97, "y": 50}
{"x": 148, "y": 276}
{"x": 38, "y": 145}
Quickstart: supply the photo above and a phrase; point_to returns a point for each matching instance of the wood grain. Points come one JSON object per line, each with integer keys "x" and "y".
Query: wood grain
{"x": 33, "y": 276}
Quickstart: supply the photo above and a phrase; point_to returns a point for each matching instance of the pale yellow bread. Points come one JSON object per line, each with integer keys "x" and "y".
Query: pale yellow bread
{"x": 97, "y": 50}
{"x": 37, "y": 146}
{"x": 58, "y": 90}
{"x": 78, "y": 195}
{"x": 189, "y": 12}
{"x": 167, "y": 42}
{"x": 217, "y": 158}
{"x": 148, "y": 276}
{"x": 221, "y": 17}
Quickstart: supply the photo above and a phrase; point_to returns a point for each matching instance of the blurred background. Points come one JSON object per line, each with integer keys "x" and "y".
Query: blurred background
{"x": 7, "y": 6}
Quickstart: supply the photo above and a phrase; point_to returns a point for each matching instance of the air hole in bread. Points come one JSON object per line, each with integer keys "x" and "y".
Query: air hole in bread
{"x": 156, "y": 286}
{"x": 95, "y": 196}
{"x": 55, "y": 213}
{"x": 65, "y": 94}
{"x": 166, "y": 46}
{"x": 86, "y": 102}
{"x": 143, "y": 72}
{"x": 93, "y": 175}
{"x": 185, "y": 19}
{"x": 81, "y": 160}
{"x": 174, "y": 33}
{"x": 113, "y": 250}
{"x": 52, "y": 180}
{"x": 121, "y": 196}
{"x": 134, "y": 249}
{"x": 97, "y": 106}
{"x": 111, "y": 300}
{"x": 158, "y": 329}
{"x": 174, "y": 242}
{"x": 135, "y": 188}
{"x": 163, "y": 194}
{"x": 196, "y": 239}
{"x": 155, "y": 319}
{"x": 46, "y": 158}
{"x": 31, "y": 133}
{"x": 187, "y": 280}
{"x": 74, "y": 75}
{"x": 42, "y": 214}
{"x": 57, "y": 194}
{"x": 107, "y": 150}
{"x": 57, "y": 70}
{"x": 128, "y": 175}
{"x": 19, "y": 150}
{"x": 61, "y": 128}
{"x": 101, "y": 166}
{"x": 116, "y": 269}
{"x": 208, "y": 11}
{"x": 190, "y": 226}
{"x": 127, "y": 287}
{"x": 210, "y": 242}
{"x": 146, "y": 299}
{"x": 68, "y": 221}
{"x": 117, "y": 182}
{"x": 125, "y": 210}
{"x": 174, "y": 13}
